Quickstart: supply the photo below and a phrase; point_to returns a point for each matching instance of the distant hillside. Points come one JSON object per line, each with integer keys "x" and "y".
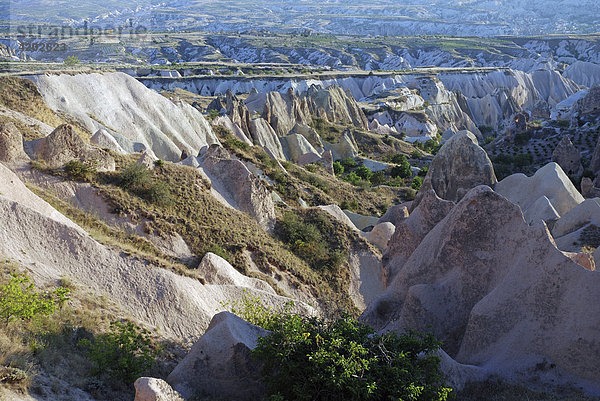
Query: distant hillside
{"x": 378, "y": 17}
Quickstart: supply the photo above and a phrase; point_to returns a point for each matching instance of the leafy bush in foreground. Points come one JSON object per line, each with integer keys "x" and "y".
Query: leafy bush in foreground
{"x": 20, "y": 301}
{"x": 123, "y": 353}
{"x": 308, "y": 358}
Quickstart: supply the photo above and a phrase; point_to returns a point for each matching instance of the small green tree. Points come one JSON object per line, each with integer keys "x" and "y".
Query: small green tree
{"x": 378, "y": 178}
{"x": 140, "y": 181}
{"x": 416, "y": 183}
{"x": 364, "y": 172}
{"x": 311, "y": 359}
{"x": 123, "y": 353}
{"x": 20, "y": 301}
{"x": 349, "y": 163}
{"x": 80, "y": 170}
{"x": 402, "y": 170}
{"x": 71, "y": 60}
{"x": 353, "y": 178}
{"x": 338, "y": 169}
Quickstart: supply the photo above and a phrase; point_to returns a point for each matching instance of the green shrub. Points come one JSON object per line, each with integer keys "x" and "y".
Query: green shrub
{"x": 588, "y": 173}
{"x": 83, "y": 171}
{"x": 134, "y": 175}
{"x": 338, "y": 169}
{"x": 416, "y": 154}
{"x": 402, "y": 170}
{"x": 353, "y": 205}
{"x": 364, "y": 172}
{"x": 378, "y": 178}
{"x": 219, "y": 251}
{"x": 416, "y": 183}
{"x": 503, "y": 158}
{"x": 522, "y": 160}
{"x": 521, "y": 138}
{"x": 212, "y": 114}
{"x": 71, "y": 60}
{"x": 488, "y": 139}
{"x": 308, "y": 358}
{"x": 311, "y": 167}
{"x": 563, "y": 123}
{"x": 140, "y": 181}
{"x": 305, "y": 238}
{"x": 234, "y": 143}
{"x": 429, "y": 146}
{"x": 20, "y": 301}
{"x": 423, "y": 172}
{"x": 486, "y": 130}
{"x": 349, "y": 163}
{"x": 353, "y": 178}
{"x": 123, "y": 353}
{"x": 396, "y": 158}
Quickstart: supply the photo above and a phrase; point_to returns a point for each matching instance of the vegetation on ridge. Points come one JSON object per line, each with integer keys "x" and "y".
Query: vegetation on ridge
{"x": 310, "y": 358}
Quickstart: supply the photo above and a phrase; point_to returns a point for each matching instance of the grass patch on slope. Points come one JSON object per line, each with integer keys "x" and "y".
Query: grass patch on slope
{"x": 208, "y": 226}
{"x": 110, "y": 236}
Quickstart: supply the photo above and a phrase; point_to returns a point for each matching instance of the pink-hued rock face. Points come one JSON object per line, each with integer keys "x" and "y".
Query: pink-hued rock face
{"x": 567, "y": 156}
{"x": 219, "y": 364}
{"x": 64, "y": 145}
{"x": 461, "y": 164}
{"x": 411, "y": 231}
{"x": 499, "y": 294}
{"x": 11, "y": 144}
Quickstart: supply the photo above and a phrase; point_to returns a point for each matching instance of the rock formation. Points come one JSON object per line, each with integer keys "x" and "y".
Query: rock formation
{"x": 345, "y": 148}
{"x": 590, "y": 104}
{"x": 335, "y": 105}
{"x": 336, "y": 212}
{"x": 284, "y": 111}
{"x": 242, "y": 189}
{"x": 549, "y": 181}
{"x": 144, "y": 291}
{"x": 216, "y": 270}
{"x": 410, "y": 231}
{"x": 395, "y": 214}
{"x": 219, "y": 365}
{"x": 104, "y": 140}
{"x": 137, "y": 113}
{"x": 588, "y": 189}
{"x": 11, "y": 144}
{"x": 509, "y": 309}
{"x": 367, "y": 276}
{"x": 295, "y": 146}
{"x": 237, "y": 112}
{"x": 461, "y": 164}
{"x": 64, "y": 145}
{"x": 567, "y": 156}
{"x": 226, "y": 122}
{"x": 263, "y": 135}
{"x": 587, "y": 212}
{"x": 146, "y": 160}
{"x": 361, "y": 221}
{"x": 151, "y": 389}
{"x": 380, "y": 235}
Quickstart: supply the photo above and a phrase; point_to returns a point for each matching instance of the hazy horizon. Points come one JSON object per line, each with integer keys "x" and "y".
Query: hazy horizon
{"x": 378, "y": 17}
